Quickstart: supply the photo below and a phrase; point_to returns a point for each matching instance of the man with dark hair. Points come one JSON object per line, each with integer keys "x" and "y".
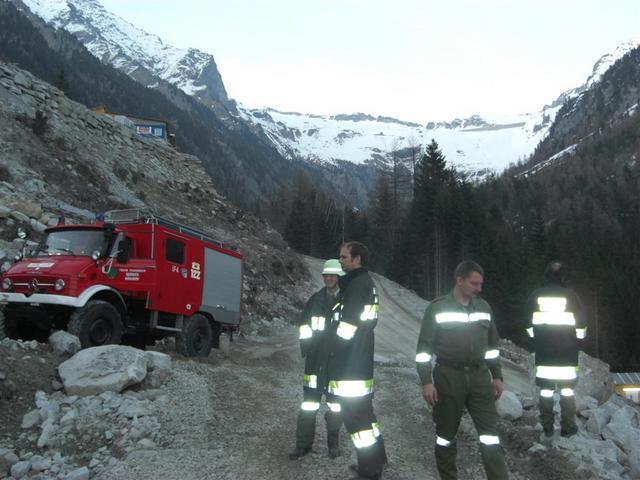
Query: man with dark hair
{"x": 556, "y": 323}
{"x": 317, "y": 334}
{"x": 351, "y": 363}
{"x": 459, "y": 336}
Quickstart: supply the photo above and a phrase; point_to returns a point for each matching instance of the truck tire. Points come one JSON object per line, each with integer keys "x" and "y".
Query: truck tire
{"x": 97, "y": 323}
{"x": 4, "y": 328}
{"x": 8, "y": 328}
{"x": 196, "y": 337}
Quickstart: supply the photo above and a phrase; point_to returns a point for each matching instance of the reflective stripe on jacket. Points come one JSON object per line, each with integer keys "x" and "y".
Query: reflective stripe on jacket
{"x": 458, "y": 334}
{"x": 355, "y": 317}
{"x": 316, "y": 332}
{"x": 556, "y": 322}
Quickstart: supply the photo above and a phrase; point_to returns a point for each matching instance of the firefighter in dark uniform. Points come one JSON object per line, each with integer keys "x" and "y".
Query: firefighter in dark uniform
{"x": 556, "y": 323}
{"x": 316, "y": 332}
{"x": 351, "y": 363}
{"x": 458, "y": 362}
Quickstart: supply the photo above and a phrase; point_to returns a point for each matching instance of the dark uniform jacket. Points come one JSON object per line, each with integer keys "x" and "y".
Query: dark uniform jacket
{"x": 556, "y": 320}
{"x": 459, "y": 335}
{"x": 356, "y": 315}
{"x": 317, "y": 331}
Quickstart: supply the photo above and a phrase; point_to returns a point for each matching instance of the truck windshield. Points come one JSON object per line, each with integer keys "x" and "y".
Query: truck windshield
{"x": 72, "y": 242}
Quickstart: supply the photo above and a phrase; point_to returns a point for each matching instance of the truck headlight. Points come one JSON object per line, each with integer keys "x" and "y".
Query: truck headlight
{"x": 6, "y": 284}
{"x": 5, "y": 266}
{"x": 59, "y": 284}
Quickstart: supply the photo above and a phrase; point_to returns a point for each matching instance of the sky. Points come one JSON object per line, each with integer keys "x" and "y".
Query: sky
{"x": 416, "y": 60}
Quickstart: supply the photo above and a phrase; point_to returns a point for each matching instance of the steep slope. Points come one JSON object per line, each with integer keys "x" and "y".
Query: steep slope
{"x": 609, "y": 101}
{"x": 145, "y": 57}
{"x": 243, "y": 166}
{"x": 77, "y": 163}
{"x": 474, "y": 146}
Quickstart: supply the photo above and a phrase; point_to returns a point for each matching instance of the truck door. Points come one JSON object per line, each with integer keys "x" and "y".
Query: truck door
{"x": 176, "y": 293}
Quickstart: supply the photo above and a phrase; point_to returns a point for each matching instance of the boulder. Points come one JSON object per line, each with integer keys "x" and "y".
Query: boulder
{"x": 31, "y": 419}
{"x": 159, "y": 369}
{"x": 626, "y": 415}
{"x": 29, "y": 209}
{"x": 100, "y": 369}
{"x": 7, "y": 460}
{"x": 623, "y": 435}
{"x": 19, "y": 216}
{"x": 509, "y": 406}
{"x": 594, "y": 378}
{"x": 20, "y": 469}
{"x": 64, "y": 343}
{"x": 36, "y": 225}
{"x": 634, "y": 462}
{"x": 78, "y": 474}
{"x": 585, "y": 405}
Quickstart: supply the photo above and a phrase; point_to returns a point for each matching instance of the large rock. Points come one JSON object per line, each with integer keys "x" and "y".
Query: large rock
{"x": 31, "y": 419}
{"x": 159, "y": 369}
{"x": 594, "y": 378}
{"x": 64, "y": 343}
{"x": 623, "y": 435}
{"x": 7, "y": 460}
{"x": 634, "y": 462}
{"x": 509, "y": 406}
{"x": 100, "y": 369}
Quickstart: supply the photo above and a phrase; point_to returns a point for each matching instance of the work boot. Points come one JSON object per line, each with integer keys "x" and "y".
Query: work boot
{"x": 548, "y": 431}
{"x": 299, "y": 452}
{"x": 334, "y": 421}
{"x": 362, "y": 476}
{"x": 568, "y": 432}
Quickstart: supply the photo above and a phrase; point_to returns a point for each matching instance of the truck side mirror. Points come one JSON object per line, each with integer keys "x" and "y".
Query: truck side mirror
{"x": 124, "y": 250}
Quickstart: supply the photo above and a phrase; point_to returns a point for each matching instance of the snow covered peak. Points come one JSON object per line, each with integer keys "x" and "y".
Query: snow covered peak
{"x": 475, "y": 146}
{"x": 606, "y": 61}
{"x": 118, "y": 43}
{"x": 599, "y": 68}
{"x": 49, "y": 10}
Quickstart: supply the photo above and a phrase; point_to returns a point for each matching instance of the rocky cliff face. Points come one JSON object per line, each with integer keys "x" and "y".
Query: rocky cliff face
{"x": 58, "y": 157}
{"x": 143, "y": 56}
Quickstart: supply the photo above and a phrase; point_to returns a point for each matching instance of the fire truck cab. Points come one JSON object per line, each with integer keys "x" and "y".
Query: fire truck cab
{"x": 131, "y": 273}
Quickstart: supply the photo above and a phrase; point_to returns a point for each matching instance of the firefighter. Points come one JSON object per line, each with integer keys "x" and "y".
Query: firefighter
{"x": 316, "y": 331}
{"x": 556, "y": 323}
{"x": 351, "y": 361}
{"x": 458, "y": 362}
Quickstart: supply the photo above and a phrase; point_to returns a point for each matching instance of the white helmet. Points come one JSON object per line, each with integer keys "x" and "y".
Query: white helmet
{"x": 332, "y": 267}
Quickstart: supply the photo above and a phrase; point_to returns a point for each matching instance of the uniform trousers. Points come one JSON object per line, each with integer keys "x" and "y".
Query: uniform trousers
{"x": 362, "y": 425}
{"x": 471, "y": 388}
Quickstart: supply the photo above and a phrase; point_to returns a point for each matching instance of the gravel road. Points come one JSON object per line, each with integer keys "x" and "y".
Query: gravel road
{"x": 232, "y": 416}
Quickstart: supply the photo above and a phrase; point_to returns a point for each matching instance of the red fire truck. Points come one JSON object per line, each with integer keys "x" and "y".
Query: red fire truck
{"x": 131, "y": 273}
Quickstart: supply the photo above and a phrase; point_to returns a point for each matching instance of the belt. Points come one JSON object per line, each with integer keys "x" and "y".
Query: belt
{"x": 460, "y": 366}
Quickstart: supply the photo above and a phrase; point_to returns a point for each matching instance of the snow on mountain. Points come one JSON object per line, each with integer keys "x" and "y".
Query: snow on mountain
{"x": 128, "y": 48}
{"x": 599, "y": 68}
{"x": 474, "y": 145}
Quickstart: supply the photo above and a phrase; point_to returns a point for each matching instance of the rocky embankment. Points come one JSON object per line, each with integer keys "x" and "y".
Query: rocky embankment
{"x": 60, "y": 158}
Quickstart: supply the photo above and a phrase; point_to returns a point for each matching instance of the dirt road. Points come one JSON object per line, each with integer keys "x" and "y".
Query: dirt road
{"x": 232, "y": 416}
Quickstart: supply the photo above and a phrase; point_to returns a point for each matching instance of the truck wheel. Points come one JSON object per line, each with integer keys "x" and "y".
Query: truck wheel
{"x": 7, "y": 328}
{"x": 97, "y": 323}
{"x": 4, "y": 328}
{"x": 196, "y": 337}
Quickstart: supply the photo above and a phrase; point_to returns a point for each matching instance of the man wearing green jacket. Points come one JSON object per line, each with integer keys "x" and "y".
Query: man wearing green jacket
{"x": 316, "y": 338}
{"x": 458, "y": 362}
